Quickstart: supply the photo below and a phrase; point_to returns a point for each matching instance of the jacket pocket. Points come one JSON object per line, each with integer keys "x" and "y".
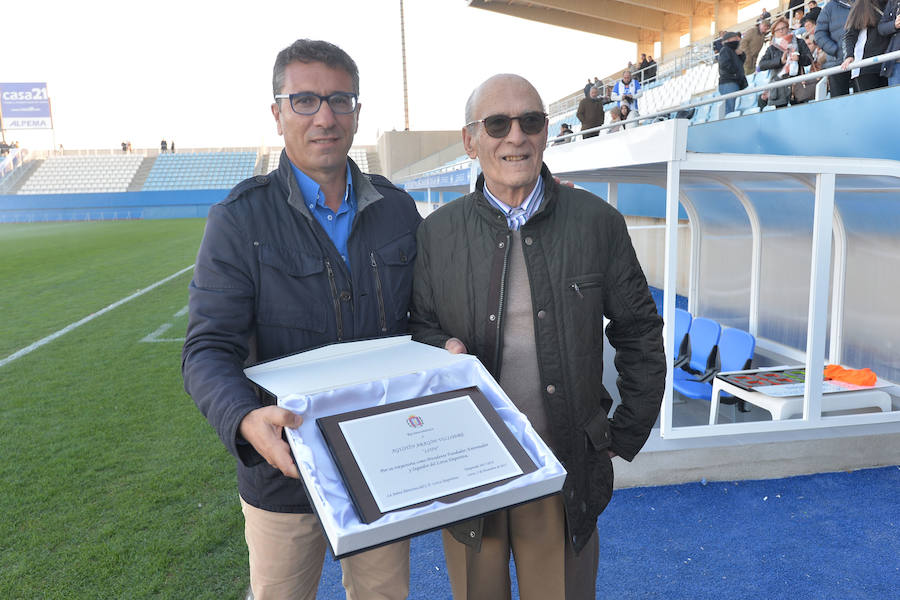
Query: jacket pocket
{"x": 293, "y": 289}
{"x": 583, "y": 305}
{"x": 393, "y": 272}
{"x": 597, "y": 431}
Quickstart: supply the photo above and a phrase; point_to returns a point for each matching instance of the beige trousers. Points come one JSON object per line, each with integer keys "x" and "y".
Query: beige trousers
{"x": 287, "y": 551}
{"x": 547, "y": 567}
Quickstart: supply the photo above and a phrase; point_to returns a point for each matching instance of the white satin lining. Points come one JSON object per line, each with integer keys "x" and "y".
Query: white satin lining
{"x": 323, "y": 479}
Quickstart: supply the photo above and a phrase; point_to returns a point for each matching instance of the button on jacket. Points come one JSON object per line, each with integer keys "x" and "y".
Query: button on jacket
{"x": 269, "y": 282}
{"x": 581, "y": 268}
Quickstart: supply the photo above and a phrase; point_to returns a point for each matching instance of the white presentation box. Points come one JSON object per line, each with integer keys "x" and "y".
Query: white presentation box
{"x": 354, "y": 375}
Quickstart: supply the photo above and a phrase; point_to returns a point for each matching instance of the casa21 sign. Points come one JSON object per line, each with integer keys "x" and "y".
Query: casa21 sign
{"x": 25, "y": 106}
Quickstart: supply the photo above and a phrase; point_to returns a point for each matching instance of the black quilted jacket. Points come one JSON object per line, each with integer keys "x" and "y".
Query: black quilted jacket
{"x": 582, "y": 268}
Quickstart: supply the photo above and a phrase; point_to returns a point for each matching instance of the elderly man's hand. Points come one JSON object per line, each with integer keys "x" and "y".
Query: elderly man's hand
{"x": 455, "y": 346}
{"x": 262, "y": 429}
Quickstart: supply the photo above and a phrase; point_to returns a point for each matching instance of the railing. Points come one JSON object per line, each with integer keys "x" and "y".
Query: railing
{"x": 12, "y": 161}
{"x": 667, "y": 112}
{"x": 144, "y": 151}
{"x": 673, "y": 64}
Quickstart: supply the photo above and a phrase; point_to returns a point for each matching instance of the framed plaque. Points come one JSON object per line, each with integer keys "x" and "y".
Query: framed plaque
{"x": 442, "y": 447}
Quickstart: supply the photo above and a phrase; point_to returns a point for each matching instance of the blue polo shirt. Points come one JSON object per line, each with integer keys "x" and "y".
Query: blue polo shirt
{"x": 336, "y": 224}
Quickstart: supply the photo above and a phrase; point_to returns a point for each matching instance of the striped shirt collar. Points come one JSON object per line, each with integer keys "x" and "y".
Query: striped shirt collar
{"x": 518, "y": 216}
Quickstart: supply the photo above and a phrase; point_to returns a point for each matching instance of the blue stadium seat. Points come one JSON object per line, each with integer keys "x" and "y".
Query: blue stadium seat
{"x": 212, "y": 170}
{"x": 745, "y": 102}
{"x": 735, "y": 350}
{"x": 701, "y": 115}
{"x": 702, "y": 339}
{"x": 683, "y": 320}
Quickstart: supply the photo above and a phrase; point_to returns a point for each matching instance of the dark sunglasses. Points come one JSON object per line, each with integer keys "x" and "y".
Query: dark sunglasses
{"x": 498, "y": 126}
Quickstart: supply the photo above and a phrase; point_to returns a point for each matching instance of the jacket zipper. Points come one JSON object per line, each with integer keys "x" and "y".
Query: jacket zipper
{"x": 500, "y": 307}
{"x": 378, "y": 292}
{"x": 337, "y": 302}
{"x": 577, "y": 288}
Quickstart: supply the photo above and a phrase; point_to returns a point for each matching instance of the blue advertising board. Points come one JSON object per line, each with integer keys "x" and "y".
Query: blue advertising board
{"x": 25, "y": 106}
{"x": 457, "y": 178}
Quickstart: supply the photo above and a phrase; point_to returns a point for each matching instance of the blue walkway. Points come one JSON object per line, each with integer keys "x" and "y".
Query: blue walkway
{"x": 826, "y": 536}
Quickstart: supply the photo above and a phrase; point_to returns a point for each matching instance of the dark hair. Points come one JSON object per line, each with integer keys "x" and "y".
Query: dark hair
{"x": 310, "y": 51}
{"x": 862, "y": 15}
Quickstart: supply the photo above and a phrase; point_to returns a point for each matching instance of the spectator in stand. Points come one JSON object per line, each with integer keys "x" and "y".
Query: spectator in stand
{"x": 813, "y": 10}
{"x": 615, "y": 115}
{"x": 731, "y": 68}
{"x": 598, "y": 84}
{"x": 163, "y": 147}
{"x": 752, "y": 43}
{"x": 717, "y": 44}
{"x": 818, "y": 55}
{"x": 172, "y": 146}
{"x": 626, "y": 87}
{"x": 829, "y": 33}
{"x": 564, "y": 129}
{"x": 629, "y": 116}
{"x": 590, "y": 113}
{"x": 651, "y": 68}
{"x": 124, "y": 147}
{"x": 797, "y": 20}
{"x": 765, "y": 15}
{"x": 889, "y": 26}
{"x": 862, "y": 40}
{"x": 784, "y": 58}
{"x": 643, "y": 67}
{"x": 587, "y": 87}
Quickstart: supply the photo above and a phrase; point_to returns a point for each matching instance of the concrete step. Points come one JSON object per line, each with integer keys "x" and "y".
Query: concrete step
{"x": 137, "y": 182}
{"x": 15, "y": 180}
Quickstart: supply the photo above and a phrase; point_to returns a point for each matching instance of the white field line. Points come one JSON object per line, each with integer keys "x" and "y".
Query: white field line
{"x": 89, "y": 318}
{"x": 156, "y": 336}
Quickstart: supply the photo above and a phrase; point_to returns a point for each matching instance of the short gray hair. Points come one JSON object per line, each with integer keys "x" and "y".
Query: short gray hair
{"x": 310, "y": 51}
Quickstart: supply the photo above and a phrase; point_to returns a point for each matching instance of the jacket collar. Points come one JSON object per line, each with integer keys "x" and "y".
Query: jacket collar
{"x": 366, "y": 193}
{"x": 550, "y": 194}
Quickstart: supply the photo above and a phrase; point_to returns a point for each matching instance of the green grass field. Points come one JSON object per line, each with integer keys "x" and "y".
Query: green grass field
{"x": 113, "y": 484}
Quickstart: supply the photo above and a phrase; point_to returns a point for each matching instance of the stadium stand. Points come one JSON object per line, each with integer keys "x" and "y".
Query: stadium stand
{"x": 361, "y": 158}
{"x": 359, "y": 155}
{"x": 201, "y": 171}
{"x": 271, "y": 161}
{"x": 82, "y": 174}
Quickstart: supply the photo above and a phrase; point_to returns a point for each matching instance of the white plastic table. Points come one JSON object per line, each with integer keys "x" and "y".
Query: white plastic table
{"x": 788, "y": 406}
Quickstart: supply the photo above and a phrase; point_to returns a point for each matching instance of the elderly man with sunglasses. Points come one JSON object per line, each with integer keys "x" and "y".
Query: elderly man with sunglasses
{"x": 312, "y": 253}
{"x": 522, "y": 273}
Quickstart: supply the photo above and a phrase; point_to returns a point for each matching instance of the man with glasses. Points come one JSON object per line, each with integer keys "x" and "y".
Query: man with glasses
{"x": 312, "y": 253}
{"x": 521, "y": 273}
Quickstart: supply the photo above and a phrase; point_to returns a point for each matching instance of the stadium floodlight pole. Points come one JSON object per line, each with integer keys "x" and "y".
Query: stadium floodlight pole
{"x": 403, "y": 54}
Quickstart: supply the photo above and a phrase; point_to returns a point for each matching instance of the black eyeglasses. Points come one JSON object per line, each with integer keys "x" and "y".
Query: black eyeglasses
{"x": 307, "y": 103}
{"x": 498, "y": 126}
